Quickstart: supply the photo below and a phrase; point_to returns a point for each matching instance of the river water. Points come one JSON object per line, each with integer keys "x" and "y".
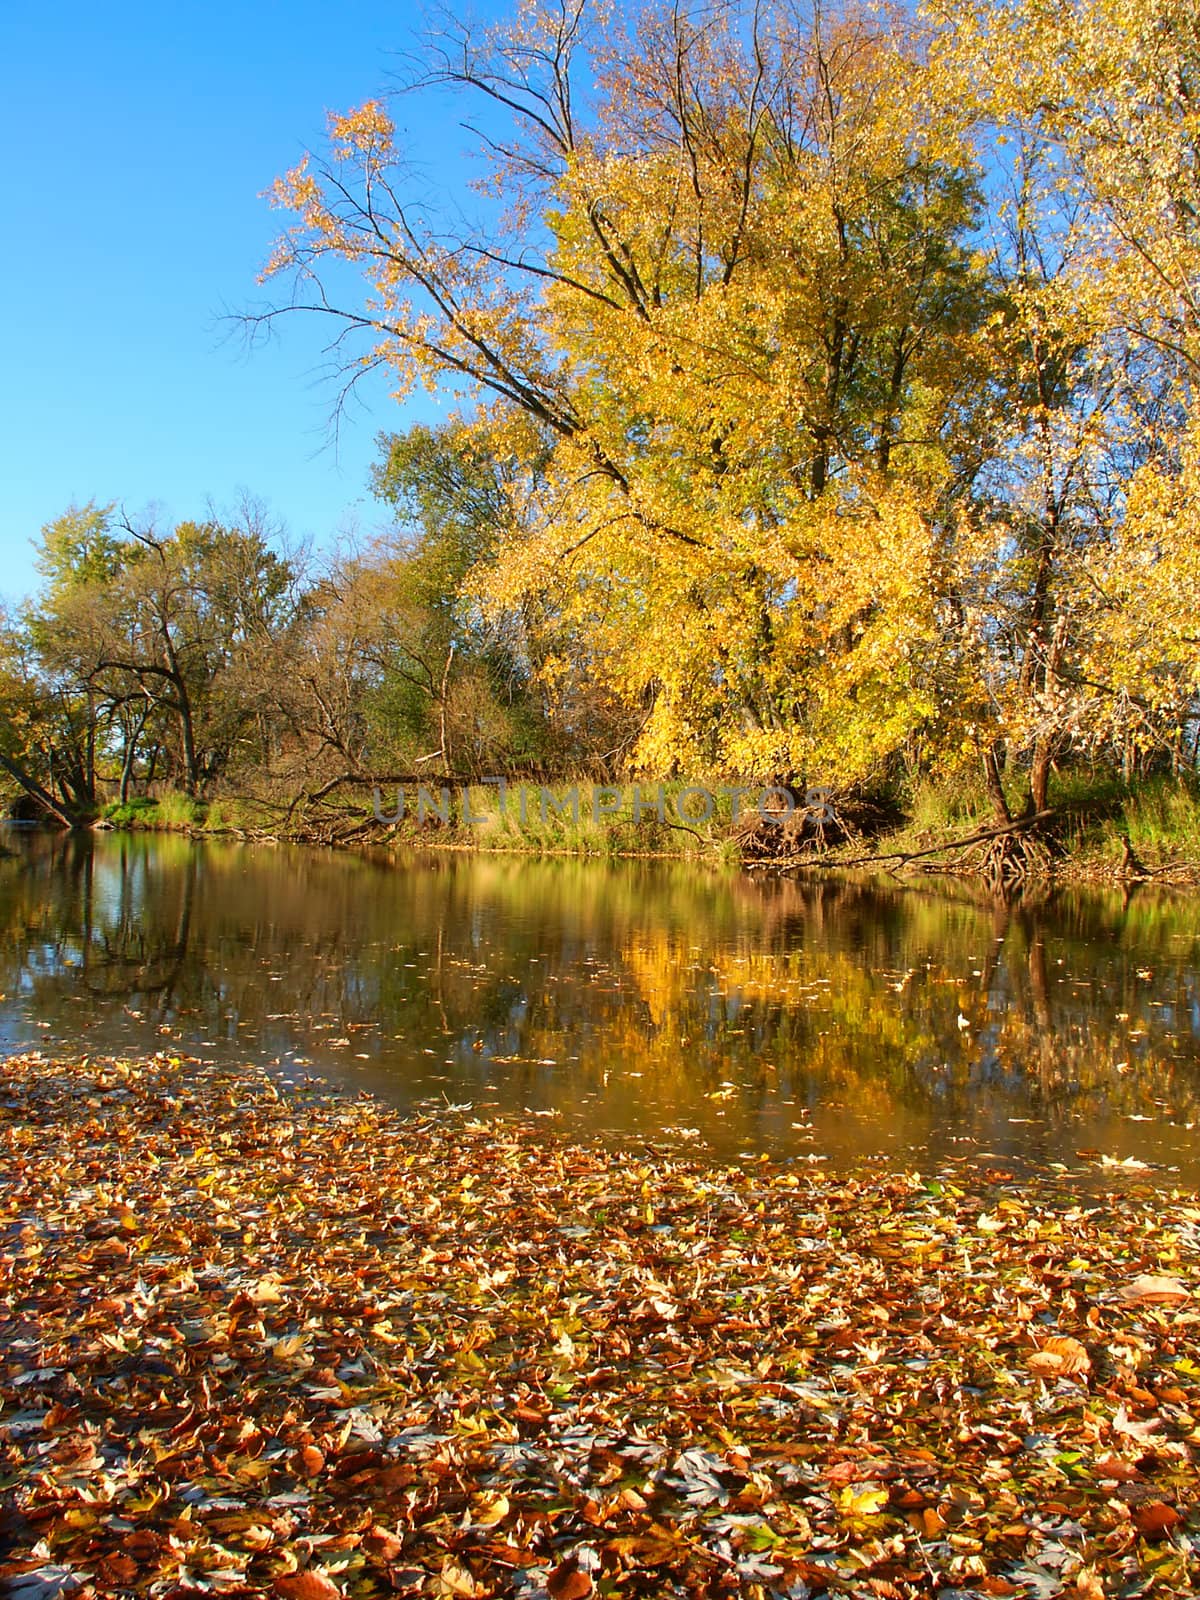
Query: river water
{"x": 828, "y": 1022}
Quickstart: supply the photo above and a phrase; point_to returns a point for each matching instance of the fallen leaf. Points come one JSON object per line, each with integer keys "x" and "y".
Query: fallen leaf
{"x": 1060, "y": 1357}
{"x": 1155, "y": 1518}
{"x": 457, "y": 1579}
{"x": 1154, "y": 1288}
{"x": 567, "y": 1582}
{"x": 865, "y": 1502}
{"x": 307, "y": 1585}
{"x": 489, "y": 1509}
{"x": 309, "y": 1461}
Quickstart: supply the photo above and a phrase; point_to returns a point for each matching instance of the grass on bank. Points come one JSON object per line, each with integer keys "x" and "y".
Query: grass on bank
{"x": 174, "y": 811}
{"x": 1160, "y": 818}
{"x": 629, "y": 819}
{"x": 583, "y": 818}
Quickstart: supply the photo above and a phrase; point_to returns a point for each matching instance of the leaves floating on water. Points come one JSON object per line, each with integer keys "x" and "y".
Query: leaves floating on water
{"x": 263, "y": 1340}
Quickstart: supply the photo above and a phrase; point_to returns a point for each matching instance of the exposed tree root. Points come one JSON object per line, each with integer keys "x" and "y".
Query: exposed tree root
{"x": 1008, "y": 861}
{"x": 1007, "y": 856}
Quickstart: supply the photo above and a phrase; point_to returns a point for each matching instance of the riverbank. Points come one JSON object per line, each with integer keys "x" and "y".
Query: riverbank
{"x": 1097, "y": 831}
{"x": 264, "y": 1339}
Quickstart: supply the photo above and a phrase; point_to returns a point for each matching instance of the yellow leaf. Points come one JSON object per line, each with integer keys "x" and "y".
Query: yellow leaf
{"x": 864, "y": 1500}
{"x": 489, "y": 1509}
{"x": 292, "y": 1345}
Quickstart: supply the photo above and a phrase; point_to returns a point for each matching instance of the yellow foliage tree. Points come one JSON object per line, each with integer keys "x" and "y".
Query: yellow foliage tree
{"x": 845, "y": 362}
{"x": 735, "y": 302}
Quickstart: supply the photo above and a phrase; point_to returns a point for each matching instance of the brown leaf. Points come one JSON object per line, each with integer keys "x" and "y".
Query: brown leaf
{"x": 309, "y": 1585}
{"x": 119, "y": 1570}
{"x": 382, "y": 1544}
{"x": 568, "y": 1583}
{"x": 1154, "y": 1518}
{"x": 142, "y": 1544}
{"x": 360, "y": 1461}
{"x": 1155, "y": 1289}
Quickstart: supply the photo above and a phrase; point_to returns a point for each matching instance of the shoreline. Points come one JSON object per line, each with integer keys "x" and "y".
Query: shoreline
{"x": 1068, "y": 870}
{"x": 286, "y": 1341}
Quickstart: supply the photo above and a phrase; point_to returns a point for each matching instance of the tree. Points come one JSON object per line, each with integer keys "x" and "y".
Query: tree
{"x": 1089, "y": 114}
{"x": 28, "y": 732}
{"x": 172, "y": 638}
{"x": 728, "y": 314}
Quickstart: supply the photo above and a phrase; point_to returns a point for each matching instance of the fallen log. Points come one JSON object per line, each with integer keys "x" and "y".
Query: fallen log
{"x": 903, "y": 857}
{"x": 43, "y": 796}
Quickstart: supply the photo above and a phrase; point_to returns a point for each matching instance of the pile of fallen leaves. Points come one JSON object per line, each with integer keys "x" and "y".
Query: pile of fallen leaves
{"x": 263, "y": 1340}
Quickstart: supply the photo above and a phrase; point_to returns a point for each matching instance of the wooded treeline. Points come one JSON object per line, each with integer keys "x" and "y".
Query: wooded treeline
{"x": 207, "y": 660}
{"x": 826, "y": 412}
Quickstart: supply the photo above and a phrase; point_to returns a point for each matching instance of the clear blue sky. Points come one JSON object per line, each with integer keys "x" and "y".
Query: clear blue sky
{"x": 138, "y": 138}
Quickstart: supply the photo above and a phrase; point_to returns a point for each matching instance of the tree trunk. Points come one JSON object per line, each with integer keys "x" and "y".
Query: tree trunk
{"x": 1039, "y": 777}
{"x": 89, "y": 759}
{"x": 42, "y": 796}
{"x": 129, "y": 755}
{"x": 995, "y": 783}
{"x": 191, "y": 765}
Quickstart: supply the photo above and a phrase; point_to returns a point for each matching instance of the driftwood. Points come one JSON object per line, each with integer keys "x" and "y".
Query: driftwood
{"x": 901, "y": 858}
{"x": 357, "y": 781}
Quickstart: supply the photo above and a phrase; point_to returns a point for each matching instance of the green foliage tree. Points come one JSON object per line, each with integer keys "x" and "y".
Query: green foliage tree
{"x": 169, "y": 641}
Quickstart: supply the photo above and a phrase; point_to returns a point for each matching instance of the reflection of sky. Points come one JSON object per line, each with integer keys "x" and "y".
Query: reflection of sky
{"x": 829, "y": 1021}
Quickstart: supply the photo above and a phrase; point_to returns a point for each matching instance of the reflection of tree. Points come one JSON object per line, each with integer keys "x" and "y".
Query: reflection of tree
{"x": 112, "y": 932}
{"x": 646, "y": 989}
{"x": 132, "y": 954}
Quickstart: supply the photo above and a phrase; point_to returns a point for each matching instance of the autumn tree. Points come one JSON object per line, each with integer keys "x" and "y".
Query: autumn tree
{"x": 32, "y": 730}
{"x": 1088, "y": 116}
{"x": 172, "y": 637}
{"x": 729, "y": 309}
{"x": 845, "y": 363}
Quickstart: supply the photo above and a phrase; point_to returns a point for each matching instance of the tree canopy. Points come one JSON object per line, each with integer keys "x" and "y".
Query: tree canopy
{"x": 825, "y": 411}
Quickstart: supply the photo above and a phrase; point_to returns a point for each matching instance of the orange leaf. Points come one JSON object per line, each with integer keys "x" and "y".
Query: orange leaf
{"x": 309, "y": 1461}
{"x": 308, "y": 1585}
{"x": 568, "y": 1583}
{"x": 1060, "y": 1358}
{"x": 1073, "y": 1355}
{"x": 1155, "y": 1517}
{"x": 1155, "y": 1288}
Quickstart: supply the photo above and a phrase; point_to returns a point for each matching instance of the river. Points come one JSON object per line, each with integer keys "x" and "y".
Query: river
{"x": 830, "y": 1022}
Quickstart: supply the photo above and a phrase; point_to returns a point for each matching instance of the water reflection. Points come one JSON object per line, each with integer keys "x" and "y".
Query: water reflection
{"x": 831, "y": 1020}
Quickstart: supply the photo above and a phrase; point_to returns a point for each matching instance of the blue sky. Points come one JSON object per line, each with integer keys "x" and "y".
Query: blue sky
{"x": 138, "y": 139}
